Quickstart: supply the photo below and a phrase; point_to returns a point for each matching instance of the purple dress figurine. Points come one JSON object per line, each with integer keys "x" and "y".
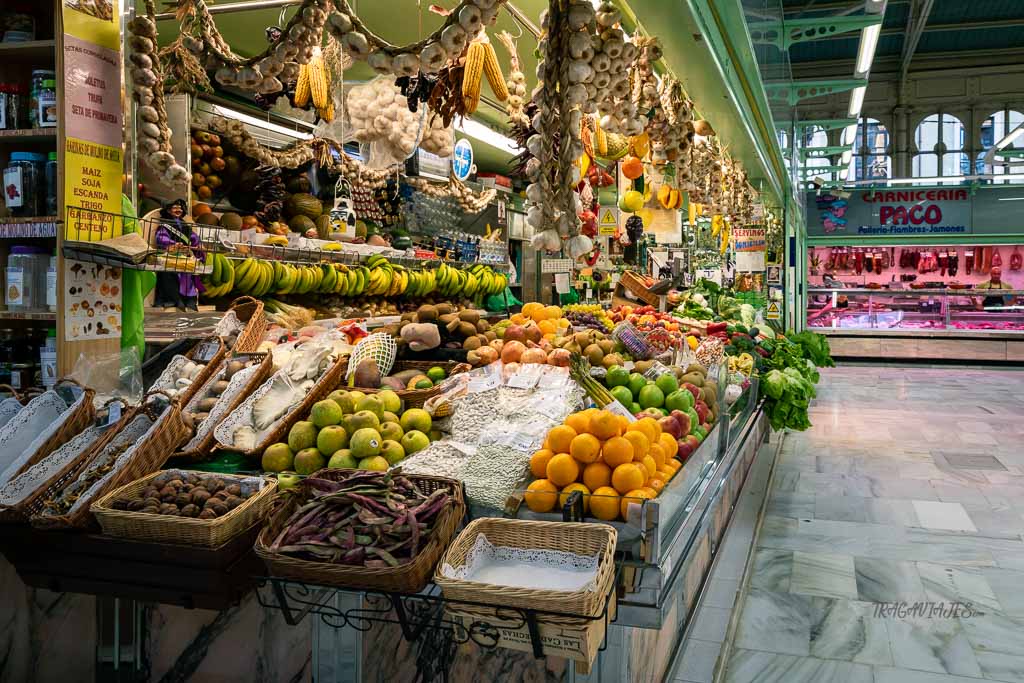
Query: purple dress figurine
{"x": 174, "y": 235}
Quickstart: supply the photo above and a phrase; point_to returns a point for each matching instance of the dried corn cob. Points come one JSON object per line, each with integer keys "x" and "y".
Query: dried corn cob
{"x": 318, "y": 83}
{"x": 493, "y": 72}
{"x": 473, "y": 72}
{"x": 600, "y": 139}
{"x": 302, "y": 87}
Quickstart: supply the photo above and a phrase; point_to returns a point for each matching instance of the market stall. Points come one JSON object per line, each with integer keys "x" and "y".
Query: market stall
{"x": 466, "y": 420}
{"x": 916, "y": 273}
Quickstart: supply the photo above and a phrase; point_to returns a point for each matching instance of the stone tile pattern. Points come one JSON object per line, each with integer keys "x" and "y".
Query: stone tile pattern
{"x": 908, "y": 488}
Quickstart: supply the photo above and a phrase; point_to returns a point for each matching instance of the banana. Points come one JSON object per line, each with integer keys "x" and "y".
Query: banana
{"x": 217, "y": 276}
{"x": 329, "y": 278}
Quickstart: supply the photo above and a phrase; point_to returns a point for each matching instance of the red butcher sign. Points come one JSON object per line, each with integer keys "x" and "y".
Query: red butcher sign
{"x": 891, "y": 212}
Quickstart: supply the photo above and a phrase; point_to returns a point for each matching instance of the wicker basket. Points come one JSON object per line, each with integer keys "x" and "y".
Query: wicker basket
{"x": 209, "y": 368}
{"x": 77, "y": 418}
{"x": 147, "y": 455}
{"x": 207, "y": 533}
{"x": 579, "y": 538}
{"x": 324, "y": 386}
{"x": 632, "y": 283}
{"x": 249, "y": 311}
{"x": 206, "y": 446}
{"x": 407, "y": 578}
{"x": 7, "y": 388}
{"x": 415, "y": 398}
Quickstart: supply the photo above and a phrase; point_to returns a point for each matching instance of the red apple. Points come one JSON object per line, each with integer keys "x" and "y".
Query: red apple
{"x": 669, "y": 425}
{"x": 693, "y": 441}
{"x": 701, "y": 408}
{"x": 649, "y": 412}
{"x": 707, "y": 427}
{"x": 684, "y": 421}
{"x": 685, "y": 450}
{"x": 692, "y": 388}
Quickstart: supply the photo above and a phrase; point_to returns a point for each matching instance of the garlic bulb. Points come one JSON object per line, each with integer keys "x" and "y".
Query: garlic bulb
{"x": 433, "y": 58}
{"x": 380, "y": 62}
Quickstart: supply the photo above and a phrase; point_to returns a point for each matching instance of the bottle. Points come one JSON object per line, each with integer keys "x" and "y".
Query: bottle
{"x": 48, "y": 359}
{"x": 51, "y": 283}
{"x": 51, "y": 184}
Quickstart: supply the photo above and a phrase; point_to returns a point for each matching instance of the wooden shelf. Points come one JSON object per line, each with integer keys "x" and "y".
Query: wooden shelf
{"x": 20, "y": 228}
{"x": 27, "y": 134}
{"x": 18, "y": 315}
{"x": 33, "y": 49}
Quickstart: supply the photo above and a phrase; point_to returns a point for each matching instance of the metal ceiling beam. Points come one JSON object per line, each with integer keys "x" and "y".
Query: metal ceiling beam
{"x": 782, "y": 34}
{"x": 916, "y": 21}
{"x": 824, "y": 124}
{"x": 824, "y": 152}
{"x": 792, "y": 92}
{"x": 840, "y": 5}
{"x": 938, "y": 28}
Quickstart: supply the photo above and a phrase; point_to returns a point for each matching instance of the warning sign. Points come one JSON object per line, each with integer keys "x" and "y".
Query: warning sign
{"x": 773, "y": 312}
{"x": 607, "y": 221}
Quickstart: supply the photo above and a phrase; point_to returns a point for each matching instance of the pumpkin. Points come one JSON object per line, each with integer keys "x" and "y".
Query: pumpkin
{"x": 632, "y": 168}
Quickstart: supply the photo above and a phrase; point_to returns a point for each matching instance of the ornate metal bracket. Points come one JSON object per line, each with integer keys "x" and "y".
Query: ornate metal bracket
{"x": 783, "y": 34}
{"x": 824, "y": 124}
{"x": 823, "y": 152}
{"x": 813, "y": 170}
{"x": 795, "y": 91}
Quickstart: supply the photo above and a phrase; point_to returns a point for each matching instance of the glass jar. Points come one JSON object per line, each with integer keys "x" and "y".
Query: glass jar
{"x": 46, "y": 100}
{"x": 6, "y": 355}
{"x": 51, "y": 184}
{"x": 39, "y": 77}
{"x": 48, "y": 359}
{"x": 22, "y": 184}
{"x": 22, "y": 291}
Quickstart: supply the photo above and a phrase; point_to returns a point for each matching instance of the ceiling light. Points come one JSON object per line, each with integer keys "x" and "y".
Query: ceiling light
{"x": 847, "y": 155}
{"x": 479, "y": 131}
{"x": 850, "y": 134}
{"x": 1010, "y": 137}
{"x": 874, "y": 6}
{"x": 934, "y": 179}
{"x": 857, "y": 101}
{"x": 866, "y": 49}
{"x": 259, "y": 123}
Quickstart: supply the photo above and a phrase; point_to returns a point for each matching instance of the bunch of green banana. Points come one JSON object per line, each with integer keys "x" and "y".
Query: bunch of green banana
{"x": 222, "y": 279}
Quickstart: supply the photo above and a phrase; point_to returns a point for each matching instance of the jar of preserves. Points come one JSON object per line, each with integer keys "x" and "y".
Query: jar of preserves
{"x": 39, "y": 77}
{"x": 23, "y": 184}
{"x": 26, "y": 277}
{"x": 46, "y": 100}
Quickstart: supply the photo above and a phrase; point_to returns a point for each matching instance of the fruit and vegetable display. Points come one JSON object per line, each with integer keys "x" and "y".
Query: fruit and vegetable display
{"x": 611, "y": 461}
{"x": 190, "y": 494}
{"x": 368, "y": 519}
{"x": 352, "y": 430}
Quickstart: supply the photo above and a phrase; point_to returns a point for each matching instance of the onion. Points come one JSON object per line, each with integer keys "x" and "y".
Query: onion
{"x": 559, "y": 358}
{"x": 512, "y": 351}
{"x": 534, "y": 356}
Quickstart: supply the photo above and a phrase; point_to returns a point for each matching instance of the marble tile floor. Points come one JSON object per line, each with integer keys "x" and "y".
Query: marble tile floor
{"x": 908, "y": 490}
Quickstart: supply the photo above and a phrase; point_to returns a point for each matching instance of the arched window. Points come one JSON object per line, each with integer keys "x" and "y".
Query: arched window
{"x": 869, "y": 151}
{"x": 997, "y": 126}
{"x": 940, "y": 146}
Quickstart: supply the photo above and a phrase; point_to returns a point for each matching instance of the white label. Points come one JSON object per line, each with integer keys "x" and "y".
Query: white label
{"x": 13, "y": 187}
{"x": 48, "y": 366}
{"x": 14, "y": 295}
{"x": 16, "y": 379}
{"x": 553, "y": 376}
{"x": 619, "y": 409}
{"x": 527, "y": 376}
{"x": 835, "y": 298}
{"x": 47, "y": 110}
{"x": 3, "y": 110}
{"x": 590, "y": 294}
{"x": 485, "y": 378}
{"x": 51, "y": 286}
{"x": 114, "y": 413}
{"x": 562, "y": 283}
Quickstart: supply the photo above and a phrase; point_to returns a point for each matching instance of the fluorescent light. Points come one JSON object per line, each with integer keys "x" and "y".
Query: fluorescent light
{"x": 850, "y": 134}
{"x": 866, "y": 49}
{"x": 479, "y": 131}
{"x": 1010, "y": 137}
{"x": 847, "y": 155}
{"x": 934, "y": 179}
{"x": 844, "y": 173}
{"x": 857, "y": 101}
{"x": 260, "y": 123}
{"x": 874, "y": 6}
{"x": 1011, "y": 199}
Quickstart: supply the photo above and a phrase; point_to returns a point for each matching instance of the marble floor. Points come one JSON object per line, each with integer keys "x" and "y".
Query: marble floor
{"x": 891, "y": 549}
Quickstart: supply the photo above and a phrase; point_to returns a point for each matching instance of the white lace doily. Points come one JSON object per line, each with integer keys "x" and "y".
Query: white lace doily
{"x": 235, "y": 385}
{"x": 9, "y": 407}
{"x": 228, "y": 325}
{"x": 30, "y": 427}
{"x": 25, "y": 484}
{"x": 536, "y": 568}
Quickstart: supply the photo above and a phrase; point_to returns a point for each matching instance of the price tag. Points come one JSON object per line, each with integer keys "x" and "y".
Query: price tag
{"x": 485, "y": 379}
{"x": 526, "y": 377}
{"x": 562, "y": 283}
{"x": 619, "y": 409}
{"x": 835, "y": 298}
{"x": 206, "y": 352}
{"x": 114, "y": 413}
{"x": 590, "y": 293}
{"x": 553, "y": 377}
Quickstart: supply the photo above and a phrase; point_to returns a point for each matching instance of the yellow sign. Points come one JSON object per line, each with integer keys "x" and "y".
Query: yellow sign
{"x": 608, "y": 221}
{"x": 92, "y": 191}
{"x": 92, "y": 118}
{"x": 773, "y": 312}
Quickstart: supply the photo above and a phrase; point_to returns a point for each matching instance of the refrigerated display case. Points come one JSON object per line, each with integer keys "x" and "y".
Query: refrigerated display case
{"x": 943, "y": 302}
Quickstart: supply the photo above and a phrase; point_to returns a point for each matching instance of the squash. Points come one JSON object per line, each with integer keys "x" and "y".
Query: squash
{"x": 303, "y": 205}
{"x": 323, "y": 227}
{"x": 301, "y": 224}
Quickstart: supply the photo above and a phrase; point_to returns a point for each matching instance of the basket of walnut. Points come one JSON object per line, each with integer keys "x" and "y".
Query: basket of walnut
{"x": 185, "y": 507}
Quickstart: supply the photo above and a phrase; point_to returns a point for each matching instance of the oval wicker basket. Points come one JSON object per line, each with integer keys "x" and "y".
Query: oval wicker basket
{"x": 415, "y": 398}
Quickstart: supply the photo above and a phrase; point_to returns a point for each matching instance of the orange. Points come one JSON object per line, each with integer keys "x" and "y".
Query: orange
{"x": 656, "y": 483}
{"x": 604, "y": 425}
{"x": 650, "y": 465}
{"x": 604, "y": 503}
{"x": 658, "y": 453}
{"x": 617, "y": 451}
{"x": 639, "y": 441}
{"x": 560, "y": 437}
{"x": 541, "y": 496}
{"x": 539, "y": 463}
{"x": 564, "y": 496}
{"x": 580, "y": 422}
{"x": 548, "y": 327}
{"x": 623, "y": 424}
{"x": 596, "y": 475}
{"x": 665, "y": 474}
{"x": 518, "y": 318}
{"x": 552, "y": 312}
{"x": 562, "y": 470}
{"x": 673, "y": 464}
{"x": 644, "y": 426}
{"x": 670, "y": 445}
{"x": 636, "y": 497}
{"x": 529, "y": 309}
{"x": 585, "y": 448}
{"x": 627, "y": 477}
{"x": 649, "y": 489}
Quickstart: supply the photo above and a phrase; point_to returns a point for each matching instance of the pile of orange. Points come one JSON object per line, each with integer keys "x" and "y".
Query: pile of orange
{"x": 548, "y": 318}
{"x": 613, "y": 462}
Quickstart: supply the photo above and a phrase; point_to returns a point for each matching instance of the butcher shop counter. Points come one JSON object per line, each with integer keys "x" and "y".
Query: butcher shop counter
{"x": 920, "y": 324}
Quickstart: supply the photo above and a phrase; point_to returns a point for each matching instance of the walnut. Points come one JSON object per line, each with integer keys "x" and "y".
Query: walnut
{"x": 234, "y": 490}
{"x": 194, "y": 479}
{"x": 168, "y": 494}
{"x": 161, "y": 479}
{"x": 183, "y": 499}
{"x": 207, "y": 514}
{"x": 176, "y": 483}
{"x": 222, "y": 494}
{"x": 200, "y": 496}
{"x": 190, "y": 510}
{"x": 168, "y": 509}
{"x": 212, "y": 484}
{"x": 151, "y": 492}
{"x": 218, "y": 506}
{"x": 232, "y": 502}
{"x": 133, "y": 505}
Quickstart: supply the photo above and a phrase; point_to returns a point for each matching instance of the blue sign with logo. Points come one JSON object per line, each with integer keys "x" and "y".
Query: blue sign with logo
{"x": 462, "y": 159}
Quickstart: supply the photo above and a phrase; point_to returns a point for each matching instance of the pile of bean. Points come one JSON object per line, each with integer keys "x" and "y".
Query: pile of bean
{"x": 370, "y": 519}
{"x": 493, "y": 474}
{"x": 439, "y": 459}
